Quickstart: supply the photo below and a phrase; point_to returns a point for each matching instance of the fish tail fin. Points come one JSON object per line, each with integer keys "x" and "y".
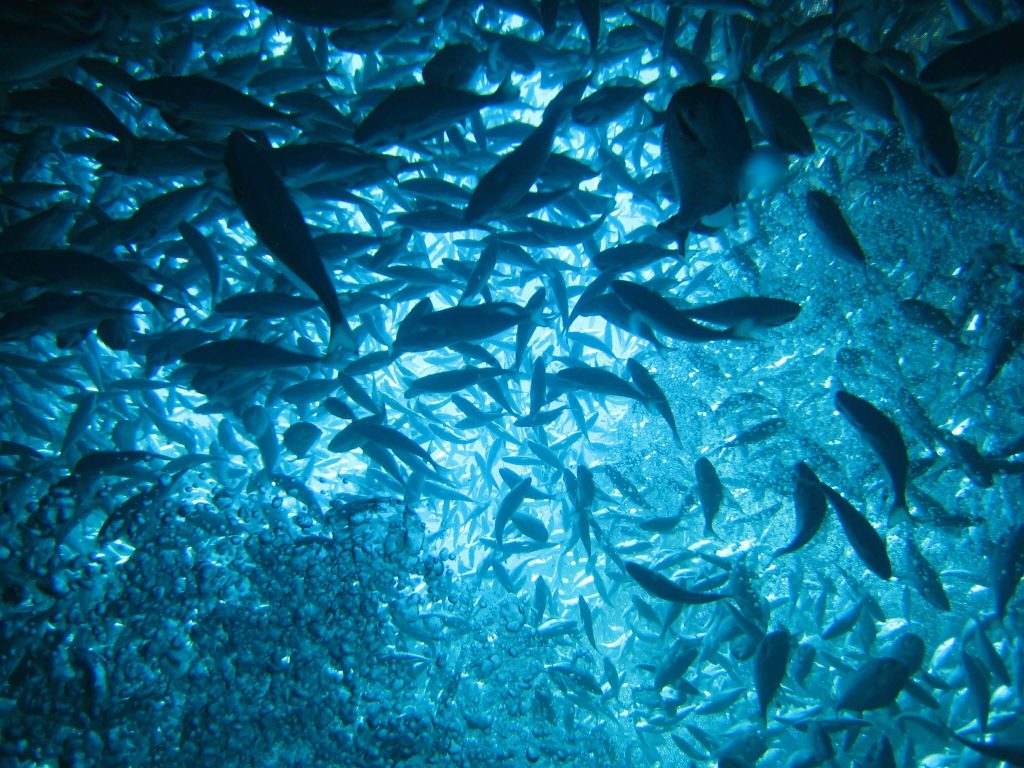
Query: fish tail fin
{"x": 744, "y": 330}
{"x": 898, "y": 513}
{"x": 342, "y": 339}
{"x": 506, "y": 91}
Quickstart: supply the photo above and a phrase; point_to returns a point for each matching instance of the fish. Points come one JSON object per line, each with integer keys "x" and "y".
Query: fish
{"x": 886, "y": 442}
{"x": 421, "y": 111}
{"x": 592, "y": 379}
{"x": 1007, "y": 565}
{"x": 371, "y": 332}
{"x": 810, "y": 506}
{"x": 459, "y": 324}
{"x": 448, "y": 382}
{"x": 923, "y": 577}
{"x": 649, "y": 309}
{"x": 927, "y": 124}
{"x": 827, "y": 217}
{"x": 977, "y": 686}
{"x": 300, "y": 437}
{"x": 709, "y": 492}
{"x": 776, "y": 118}
{"x": 706, "y": 145}
{"x": 854, "y": 75}
{"x": 73, "y": 270}
{"x": 245, "y": 354}
{"x": 770, "y": 664}
{"x": 865, "y": 540}
{"x": 277, "y": 221}
{"x": 874, "y": 685}
{"x": 201, "y": 99}
{"x": 975, "y": 62}
{"x": 508, "y": 181}
{"x": 666, "y": 589}
{"x": 746, "y": 313}
{"x": 588, "y": 621}
{"x": 1010, "y": 752}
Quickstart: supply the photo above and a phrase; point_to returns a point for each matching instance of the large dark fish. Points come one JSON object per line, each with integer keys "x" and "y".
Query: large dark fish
{"x": 828, "y": 219}
{"x": 1007, "y": 567}
{"x": 863, "y": 537}
{"x": 706, "y": 145}
{"x": 649, "y": 308}
{"x": 885, "y": 440}
{"x": 875, "y": 685}
{"x": 277, "y": 222}
{"x": 973, "y": 63}
{"x": 770, "y": 667}
{"x": 666, "y": 589}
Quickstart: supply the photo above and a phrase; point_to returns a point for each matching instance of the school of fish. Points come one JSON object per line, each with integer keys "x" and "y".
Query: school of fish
{"x": 531, "y": 382}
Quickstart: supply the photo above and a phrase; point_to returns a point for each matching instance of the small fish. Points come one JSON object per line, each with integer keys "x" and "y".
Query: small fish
{"x": 853, "y": 75}
{"x": 844, "y": 622}
{"x": 300, "y": 437}
{"x": 508, "y": 181}
{"x": 588, "y": 620}
{"x": 1005, "y": 750}
{"x": 665, "y": 588}
{"x": 1007, "y": 565}
{"x": 923, "y": 578}
{"x": 649, "y": 309}
{"x": 828, "y": 219}
{"x": 803, "y": 662}
{"x": 977, "y": 61}
{"x": 420, "y": 111}
{"x": 746, "y": 313}
{"x": 880, "y": 754}
{"x": 246, "y": 354}
{"x": 709, "y": 492}
{"x": 977, "y": 686}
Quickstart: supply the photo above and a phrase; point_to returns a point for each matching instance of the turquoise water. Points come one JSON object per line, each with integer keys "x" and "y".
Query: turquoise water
{"x": 333, "y": 438}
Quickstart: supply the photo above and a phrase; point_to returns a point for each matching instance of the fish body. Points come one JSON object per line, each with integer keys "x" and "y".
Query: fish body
{"x": 420, "y": 111}
{"x": 453, "y": 325}
{"x": 709, "y": 492}
{"x": 746, "y": 312}
{"x": 204, "y": 100}
{"x": 885, "y": 440}
{"x": 647, "y": 308}
{"x": 972, "y": 63}
{"x": 828, "y": 219}
{"x": 777, "y": 119}
{"x": 810, "y": 506}
{"x": 927, "y": 124}
{"x": 666, "y": 589}
{"x": 770, "y": 667}
{"x": 276, "y": 220}
{"x": 875, "y": 685}
{"x": 706, "y": 144}
{"x": 863, "y": 537}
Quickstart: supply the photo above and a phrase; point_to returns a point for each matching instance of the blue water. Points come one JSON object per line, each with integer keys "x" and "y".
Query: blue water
{"x": 232, "y": 535}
